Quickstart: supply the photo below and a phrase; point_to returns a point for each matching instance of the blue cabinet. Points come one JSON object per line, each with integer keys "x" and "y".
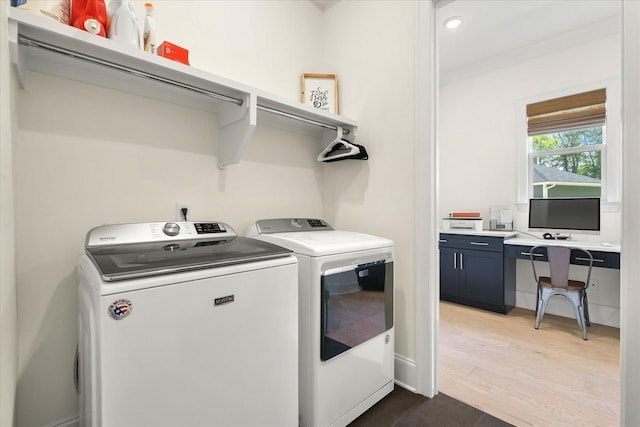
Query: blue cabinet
{"x": 474, "y": 272}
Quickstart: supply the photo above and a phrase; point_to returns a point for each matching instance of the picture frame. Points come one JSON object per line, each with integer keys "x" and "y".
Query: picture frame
{"x": 320, "y": 91}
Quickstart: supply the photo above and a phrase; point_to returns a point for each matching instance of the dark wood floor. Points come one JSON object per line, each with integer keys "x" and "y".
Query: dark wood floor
{"x": 402, "y": 408}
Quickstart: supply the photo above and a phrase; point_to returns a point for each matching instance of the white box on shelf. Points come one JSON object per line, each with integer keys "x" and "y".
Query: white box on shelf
{"x": 473, "y": 224}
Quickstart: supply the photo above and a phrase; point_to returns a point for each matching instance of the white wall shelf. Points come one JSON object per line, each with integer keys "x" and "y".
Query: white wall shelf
{"x": 46, "y": 46}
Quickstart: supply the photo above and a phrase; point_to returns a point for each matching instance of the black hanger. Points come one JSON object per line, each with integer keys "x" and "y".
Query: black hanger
{"x": 360, "y": 155}
{"x": 341, "y": 149}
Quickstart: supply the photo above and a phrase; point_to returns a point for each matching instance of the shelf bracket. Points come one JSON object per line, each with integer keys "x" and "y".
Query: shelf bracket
{"x": 15, "y": 52}
{"x": 236, "y": 130}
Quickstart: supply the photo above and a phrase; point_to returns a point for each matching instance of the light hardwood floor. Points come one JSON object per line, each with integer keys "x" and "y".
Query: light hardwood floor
{"x": 527, "y": 377}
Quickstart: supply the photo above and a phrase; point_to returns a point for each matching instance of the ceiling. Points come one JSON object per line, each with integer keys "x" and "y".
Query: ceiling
{"x": 495, "y": 33}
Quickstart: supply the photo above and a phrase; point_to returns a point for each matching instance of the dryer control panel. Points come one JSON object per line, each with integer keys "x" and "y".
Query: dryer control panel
{"x": 283, "y": 225}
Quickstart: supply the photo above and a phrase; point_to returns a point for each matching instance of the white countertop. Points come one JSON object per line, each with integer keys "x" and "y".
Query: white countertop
{"x": 515, "y": 238}
{"x": 491, "y": 233}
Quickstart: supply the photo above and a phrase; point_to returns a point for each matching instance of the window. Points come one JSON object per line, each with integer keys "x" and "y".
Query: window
{"x": 567, "y": 145}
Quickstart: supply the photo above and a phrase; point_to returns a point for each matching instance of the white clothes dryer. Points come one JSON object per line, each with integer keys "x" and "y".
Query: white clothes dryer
{"x": 346, "y": 317}
{"x": 186, "y": 324}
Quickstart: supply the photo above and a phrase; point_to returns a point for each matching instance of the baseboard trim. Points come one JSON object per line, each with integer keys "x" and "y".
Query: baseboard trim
{"x": 405, "y": 373}
{"x": 72, "y": 421}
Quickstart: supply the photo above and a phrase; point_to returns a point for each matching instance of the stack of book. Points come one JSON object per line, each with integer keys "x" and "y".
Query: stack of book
{"x": 474, "y": 215}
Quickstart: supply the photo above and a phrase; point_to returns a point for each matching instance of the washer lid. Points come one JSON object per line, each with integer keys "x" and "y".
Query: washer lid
{"x": 321, "y": 243}
{"x": 129, "y": 251}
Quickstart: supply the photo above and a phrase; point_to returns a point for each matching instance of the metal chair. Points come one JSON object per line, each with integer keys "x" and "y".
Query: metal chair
{"x": 559, "y": 258}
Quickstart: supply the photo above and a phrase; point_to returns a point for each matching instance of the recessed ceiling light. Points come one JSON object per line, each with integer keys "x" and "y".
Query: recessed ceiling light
{"x": 452, "y": 23}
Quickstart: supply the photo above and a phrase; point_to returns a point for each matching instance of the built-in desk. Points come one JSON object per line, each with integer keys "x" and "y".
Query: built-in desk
{"x": 603, "y": 256}
{"x": 478, "y": 268}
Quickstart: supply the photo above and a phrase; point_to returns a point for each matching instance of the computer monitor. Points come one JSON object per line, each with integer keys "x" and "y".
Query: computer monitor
{"x": 580, "y": 214}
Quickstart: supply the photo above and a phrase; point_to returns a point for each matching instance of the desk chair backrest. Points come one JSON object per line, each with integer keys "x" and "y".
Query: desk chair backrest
{"x": 559, "y": 261}
{"x": 559, "y": 258}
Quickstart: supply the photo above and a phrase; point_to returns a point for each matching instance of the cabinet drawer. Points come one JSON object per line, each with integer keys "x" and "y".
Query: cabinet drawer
{"x": 600, "y": 259}
{"x": 522, "y": 252}
{"x": 464, "y": 241}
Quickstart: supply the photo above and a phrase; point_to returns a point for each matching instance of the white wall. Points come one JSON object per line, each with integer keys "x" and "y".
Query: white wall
{"x": 478, "y": 123}
{"x": 8, "y": 315}
{"x": 265, "y": 44}
{"x": 371, "y": 45}
{"x": 85, "y": 156}
{"x": 478, "y": 151}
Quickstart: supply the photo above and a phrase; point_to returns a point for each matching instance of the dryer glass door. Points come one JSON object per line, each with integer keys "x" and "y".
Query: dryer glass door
{"x": 357, "y": 305}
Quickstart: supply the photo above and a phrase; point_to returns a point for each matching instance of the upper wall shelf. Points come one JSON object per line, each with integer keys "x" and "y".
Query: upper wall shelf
{"x": 46, "y": 46}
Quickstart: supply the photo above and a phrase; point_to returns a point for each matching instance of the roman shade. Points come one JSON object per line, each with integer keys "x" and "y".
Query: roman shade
{"x": 579, "y": 111}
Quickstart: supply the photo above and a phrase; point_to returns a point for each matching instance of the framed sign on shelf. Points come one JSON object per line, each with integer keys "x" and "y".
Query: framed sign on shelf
{"x": 320, "y": 91}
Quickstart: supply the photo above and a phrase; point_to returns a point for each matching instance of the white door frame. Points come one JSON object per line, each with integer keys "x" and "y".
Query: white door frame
{"x": 426, "y": 227}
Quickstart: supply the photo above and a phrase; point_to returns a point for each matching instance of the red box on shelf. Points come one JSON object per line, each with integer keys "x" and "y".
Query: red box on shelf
{"x": 174, "y": 52}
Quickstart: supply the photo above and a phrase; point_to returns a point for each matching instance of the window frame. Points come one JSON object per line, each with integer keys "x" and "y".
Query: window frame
{"x": 610, "y": 149}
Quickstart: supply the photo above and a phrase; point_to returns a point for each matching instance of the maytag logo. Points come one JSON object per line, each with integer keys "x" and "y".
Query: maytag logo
{"x": 108, "y": 238}
{"x": 224, "y": 300}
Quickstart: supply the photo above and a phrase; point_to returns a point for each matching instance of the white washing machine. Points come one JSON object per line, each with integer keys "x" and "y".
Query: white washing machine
{"x": 186, "y": 324}
{"x": 345, "y": 314}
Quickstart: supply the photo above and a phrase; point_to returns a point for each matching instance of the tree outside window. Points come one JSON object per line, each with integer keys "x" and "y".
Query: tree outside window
{"x": 568, "y": 163}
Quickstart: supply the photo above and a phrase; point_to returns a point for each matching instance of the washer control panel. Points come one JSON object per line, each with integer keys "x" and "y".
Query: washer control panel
{"x": 117, "y": 234}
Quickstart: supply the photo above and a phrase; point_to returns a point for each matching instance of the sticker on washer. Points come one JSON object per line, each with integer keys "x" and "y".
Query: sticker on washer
{"x": 120, "y": 309}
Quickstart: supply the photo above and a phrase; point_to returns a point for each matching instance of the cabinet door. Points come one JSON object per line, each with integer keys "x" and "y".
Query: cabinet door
{"x": 481, "y": 276}
{"x": 449, "y": 272}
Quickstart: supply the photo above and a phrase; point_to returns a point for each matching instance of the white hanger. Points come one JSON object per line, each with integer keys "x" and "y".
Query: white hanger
{"x": 338, "y": 140}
